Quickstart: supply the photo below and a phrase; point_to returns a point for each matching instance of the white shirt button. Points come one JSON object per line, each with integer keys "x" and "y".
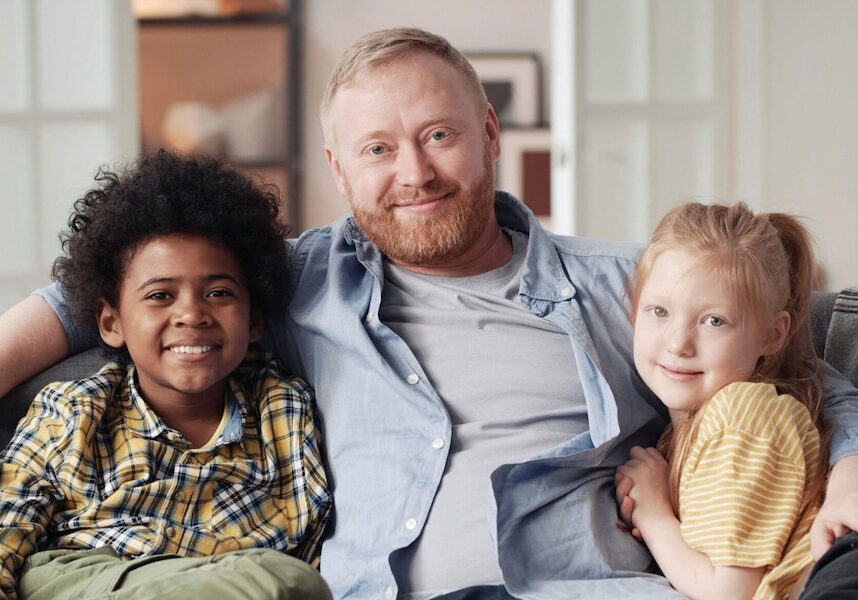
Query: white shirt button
{"x": 169, "y": 531}
{"x": 369, "y": 317}
{"x": 565, "y": 291}
{"x": 179, "y": 496}
{"x": 437, "y": 443}
{"x": 388, "y": 593}
{"x": 410, "y": 524}
{"x": 413, "y": 379}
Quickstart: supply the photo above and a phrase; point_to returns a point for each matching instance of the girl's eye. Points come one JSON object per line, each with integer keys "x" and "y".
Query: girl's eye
{"x": 658, "y": 311}
{"x": 714, "y": 321}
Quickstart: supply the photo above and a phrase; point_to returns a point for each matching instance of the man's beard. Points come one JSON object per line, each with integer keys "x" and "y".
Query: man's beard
{"x": 433, "y": 239}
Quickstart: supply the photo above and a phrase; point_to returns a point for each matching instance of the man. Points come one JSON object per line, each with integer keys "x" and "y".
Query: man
{"x": 473, "y": 372}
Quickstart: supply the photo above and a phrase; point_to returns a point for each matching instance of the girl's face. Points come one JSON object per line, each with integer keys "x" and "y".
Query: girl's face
{"x": 691, "y": 337}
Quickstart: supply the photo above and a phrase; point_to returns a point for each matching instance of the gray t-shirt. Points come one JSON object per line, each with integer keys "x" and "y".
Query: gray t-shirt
{"x": 509, "y": 382}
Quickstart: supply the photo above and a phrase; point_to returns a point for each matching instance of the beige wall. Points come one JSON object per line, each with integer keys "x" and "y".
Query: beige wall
{"x": 811, "y": 129}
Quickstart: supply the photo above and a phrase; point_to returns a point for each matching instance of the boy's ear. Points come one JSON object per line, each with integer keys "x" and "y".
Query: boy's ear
{"x": 777, "y": 333}
{"x": 109, "y": 326}
{"x": 257, "y": 326}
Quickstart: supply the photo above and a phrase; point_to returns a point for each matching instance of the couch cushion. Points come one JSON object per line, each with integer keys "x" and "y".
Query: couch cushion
{"x": 14, "y": 405}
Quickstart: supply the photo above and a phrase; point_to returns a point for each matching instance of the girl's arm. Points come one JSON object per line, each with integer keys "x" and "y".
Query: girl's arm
{"x": 689, "y": 571}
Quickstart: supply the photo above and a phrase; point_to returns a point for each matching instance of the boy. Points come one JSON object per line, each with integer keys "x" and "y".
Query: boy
{"x": 186, "y": 470}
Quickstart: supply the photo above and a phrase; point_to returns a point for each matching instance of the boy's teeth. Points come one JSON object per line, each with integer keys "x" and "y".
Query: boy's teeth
{"x": 190, "y": 349}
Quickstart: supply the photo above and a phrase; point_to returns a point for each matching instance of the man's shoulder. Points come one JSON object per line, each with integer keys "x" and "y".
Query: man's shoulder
{"x": 323, "y": 236}
{"x": 592, "y": 248}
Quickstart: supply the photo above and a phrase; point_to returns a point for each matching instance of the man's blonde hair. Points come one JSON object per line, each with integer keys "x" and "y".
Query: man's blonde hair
{"x": 387, "y": 46}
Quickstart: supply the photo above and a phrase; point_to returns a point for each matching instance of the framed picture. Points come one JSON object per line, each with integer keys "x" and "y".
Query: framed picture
{"x": 513, "y": 84}
{"x": 524, "y": 168}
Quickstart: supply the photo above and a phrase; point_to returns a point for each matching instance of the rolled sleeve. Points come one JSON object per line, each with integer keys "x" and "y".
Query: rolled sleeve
{"x": 840, "y": 413}
{"x": 79, "y": 337}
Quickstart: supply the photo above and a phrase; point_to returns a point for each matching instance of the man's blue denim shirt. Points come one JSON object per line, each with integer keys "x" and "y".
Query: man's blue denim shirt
{"x": 555, "y": 514}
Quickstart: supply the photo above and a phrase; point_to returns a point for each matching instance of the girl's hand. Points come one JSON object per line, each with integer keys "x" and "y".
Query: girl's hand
{"x": 648, "y": 472}
{"x": 626, "y": 506}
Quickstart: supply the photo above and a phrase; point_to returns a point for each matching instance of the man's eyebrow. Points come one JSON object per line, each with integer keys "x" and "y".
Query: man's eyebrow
{"x": 206, "y": 279}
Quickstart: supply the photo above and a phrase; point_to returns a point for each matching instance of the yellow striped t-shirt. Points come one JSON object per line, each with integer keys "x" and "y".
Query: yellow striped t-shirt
{"x": 743, "y": 493}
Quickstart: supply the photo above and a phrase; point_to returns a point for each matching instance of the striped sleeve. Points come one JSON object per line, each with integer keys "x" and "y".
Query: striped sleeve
{"x": 741, "y": 493}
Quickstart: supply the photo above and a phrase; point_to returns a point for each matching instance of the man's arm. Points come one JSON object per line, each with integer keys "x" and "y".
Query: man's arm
{"x": 839, "y": 513}
{"x": 32, "y": 339}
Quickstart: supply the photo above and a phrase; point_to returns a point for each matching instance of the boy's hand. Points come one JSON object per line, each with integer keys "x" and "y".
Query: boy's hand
{"x": 648, "y": 493}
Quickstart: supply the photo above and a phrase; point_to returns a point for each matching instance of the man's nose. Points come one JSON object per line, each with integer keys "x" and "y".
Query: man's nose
{"x": 413, "y": 166}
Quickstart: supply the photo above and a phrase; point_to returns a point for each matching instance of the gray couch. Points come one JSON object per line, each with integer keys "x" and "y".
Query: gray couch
{"x": 15, "y": 404}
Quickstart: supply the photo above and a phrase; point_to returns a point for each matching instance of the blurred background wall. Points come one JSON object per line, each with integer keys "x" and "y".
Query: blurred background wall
{"x": 641, "y": 104}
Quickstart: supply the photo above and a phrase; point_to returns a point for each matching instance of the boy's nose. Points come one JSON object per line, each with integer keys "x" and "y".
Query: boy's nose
{"x": 191, "y": 313}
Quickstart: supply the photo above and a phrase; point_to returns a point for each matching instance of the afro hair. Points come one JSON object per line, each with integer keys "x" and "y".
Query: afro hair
{"x": 160, "y": 194}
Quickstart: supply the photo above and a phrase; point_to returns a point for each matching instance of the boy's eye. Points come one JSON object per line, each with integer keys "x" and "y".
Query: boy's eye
{"x": 714, "y": 321}
{"x": 220, "y": 293}
{"x": 160, "y": 296}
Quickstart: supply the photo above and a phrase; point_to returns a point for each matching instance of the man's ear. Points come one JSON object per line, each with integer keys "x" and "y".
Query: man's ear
{"x": 492, "y": 126}
{"x": 257, "y": 327}
{"x": 777, "y": 333}
{"x": 336, "y": 170}
{"x": 109, "y": 326}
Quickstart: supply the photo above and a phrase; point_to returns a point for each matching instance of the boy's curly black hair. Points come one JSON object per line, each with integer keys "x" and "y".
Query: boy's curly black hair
{"x": 160, "y": 194}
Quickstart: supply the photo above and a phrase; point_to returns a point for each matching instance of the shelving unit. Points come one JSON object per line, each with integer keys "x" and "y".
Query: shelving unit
{"x": 223, "y": 62}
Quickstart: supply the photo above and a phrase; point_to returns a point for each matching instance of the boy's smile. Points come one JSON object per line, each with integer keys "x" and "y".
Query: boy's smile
{"x": 184, "y": 315}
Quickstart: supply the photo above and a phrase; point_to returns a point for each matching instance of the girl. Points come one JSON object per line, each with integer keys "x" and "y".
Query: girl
{"x": 720, "y": 305}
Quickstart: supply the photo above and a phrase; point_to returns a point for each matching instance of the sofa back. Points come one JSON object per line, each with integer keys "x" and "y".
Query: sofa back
{"x": 15, "y": 403}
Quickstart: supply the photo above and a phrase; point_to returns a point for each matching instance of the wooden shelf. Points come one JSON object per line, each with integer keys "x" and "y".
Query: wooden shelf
{"x": 279, "y": 19}
{"x": 217, "y": 60}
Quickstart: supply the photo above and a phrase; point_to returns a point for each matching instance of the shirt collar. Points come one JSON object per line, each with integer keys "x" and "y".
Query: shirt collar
{"x": 543, "y": 277}
{"x": 143, "y": 421}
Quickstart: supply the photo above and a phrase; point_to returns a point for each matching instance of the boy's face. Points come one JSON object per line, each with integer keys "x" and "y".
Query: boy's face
{"x": 184, "y": 315}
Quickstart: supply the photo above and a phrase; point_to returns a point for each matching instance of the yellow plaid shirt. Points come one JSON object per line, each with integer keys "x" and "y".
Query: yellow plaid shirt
{"x": 91, "y": 465}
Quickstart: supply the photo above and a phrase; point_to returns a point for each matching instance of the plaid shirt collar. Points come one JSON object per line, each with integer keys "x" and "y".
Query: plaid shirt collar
{"x": 143, "y": 421}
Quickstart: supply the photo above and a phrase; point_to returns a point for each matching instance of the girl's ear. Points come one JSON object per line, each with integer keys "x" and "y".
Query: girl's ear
{"x": 257, "y": 327}
{"x": 109, "y": 325}
{"x": 777, "y": 333}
